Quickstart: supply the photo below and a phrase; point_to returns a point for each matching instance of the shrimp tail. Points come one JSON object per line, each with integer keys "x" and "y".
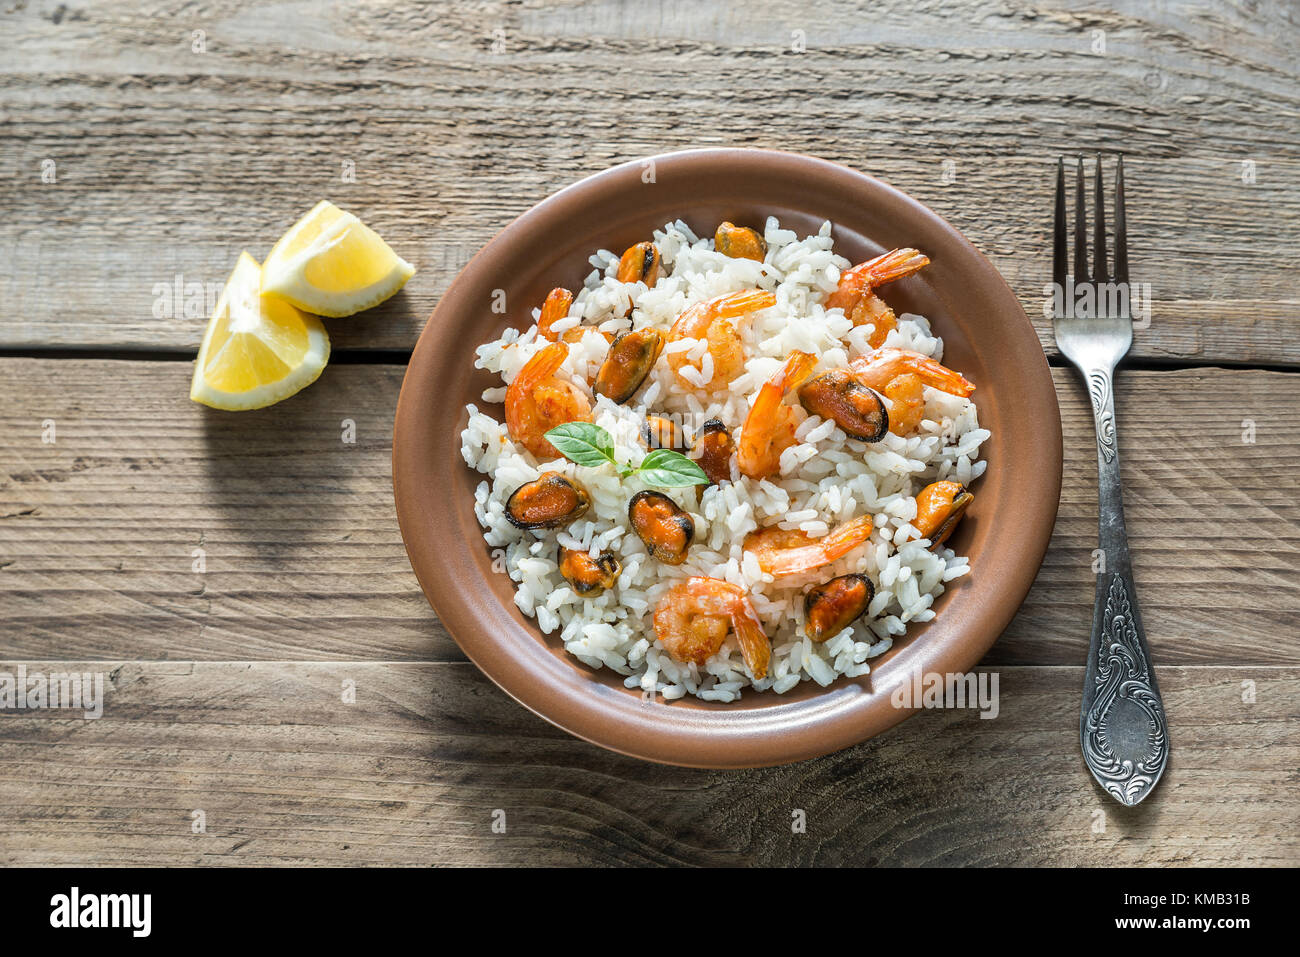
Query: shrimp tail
{"x": 893, "y": 265}
{"x": 942, "y": 378}
{"x": 754, "y": 646}
{"x": 798, "y": 367}
{"x": 847, "y": 537}
{"x": 885, "y": 268}
{"x": 761, "y": 437}
{"x": 544, "y": 363}
{"x": 805, "y": 558}
{"x": 695, "y": 321}
{"x": 877, "y": 369}
{"x": 745, "y": 301}
{"x": 555, "y": 308}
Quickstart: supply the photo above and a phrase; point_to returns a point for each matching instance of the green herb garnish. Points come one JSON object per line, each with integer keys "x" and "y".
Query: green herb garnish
{"x": 590, "y": 445}
{"x": 583, "y": 443}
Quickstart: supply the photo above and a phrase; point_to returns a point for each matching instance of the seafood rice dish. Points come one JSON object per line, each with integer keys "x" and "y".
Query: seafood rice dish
{"x": 725, "y": 463}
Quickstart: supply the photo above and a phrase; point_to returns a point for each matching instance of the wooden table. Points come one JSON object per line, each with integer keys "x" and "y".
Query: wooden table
{"x": 145, "y": 143}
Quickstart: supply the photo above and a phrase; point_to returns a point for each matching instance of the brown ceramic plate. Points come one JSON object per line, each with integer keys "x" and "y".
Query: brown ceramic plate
{"x": 986, "y": 336}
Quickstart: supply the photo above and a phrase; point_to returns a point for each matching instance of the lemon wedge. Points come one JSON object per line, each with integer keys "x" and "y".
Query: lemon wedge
{"x": 257, "y": 349}
{"x": 332, "y": 264}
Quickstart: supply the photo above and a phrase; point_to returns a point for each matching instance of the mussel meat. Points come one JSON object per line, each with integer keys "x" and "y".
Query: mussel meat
{"x": 630, "y": 358}
{"x": 939, "y": 507}
{"x": 551, "y": 500}
{"x": 832, "y": 606}
{"x": 739, "y": 242}
{"x": 640, "y": 263}
{"x": 839, "y": 395}
{"x": 714, "y": 447}
{"x": 665, "y": 529}
{"x": 587, "y": 575}
{"x": 660, "y": 432}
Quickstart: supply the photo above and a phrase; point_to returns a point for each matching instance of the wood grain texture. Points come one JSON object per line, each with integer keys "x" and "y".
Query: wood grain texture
{"x": 303, "y": 558}
{"x": 458, "y": 117}
{"x": 411, "y": 774}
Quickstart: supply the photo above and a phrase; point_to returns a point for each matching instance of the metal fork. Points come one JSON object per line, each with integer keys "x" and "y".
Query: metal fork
{"x": 1122, "y": 726}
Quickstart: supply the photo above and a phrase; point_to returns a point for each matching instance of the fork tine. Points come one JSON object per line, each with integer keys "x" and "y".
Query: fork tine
{"x": 1059, "y": 264}
{"x": 1121, "y": 227}
{"x": 1080, "y": 229}
{"x": 1099, "y": 231}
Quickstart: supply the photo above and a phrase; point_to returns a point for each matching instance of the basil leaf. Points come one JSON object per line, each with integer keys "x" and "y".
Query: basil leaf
{"x": 669, "y": 469}
{"x": 583, "y": 443}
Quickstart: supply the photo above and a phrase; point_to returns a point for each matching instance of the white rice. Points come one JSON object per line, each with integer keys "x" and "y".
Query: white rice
{"x": 826, "y": 478}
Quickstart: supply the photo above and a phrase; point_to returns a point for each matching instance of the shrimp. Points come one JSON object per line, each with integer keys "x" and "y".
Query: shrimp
{"x": 787, "y": 552}
{"x": 902, "y": 375}
{"x": 537, "y": 401}
{"x": 879, "y": 368}
{"x": 555, "y": 308}
{"x": 856, "y": 291}
{"x": 907, "y": 395}
{"x": 693, "y": 618}
{"x": 769, "y": 428}
{"x": 709, "y": 321}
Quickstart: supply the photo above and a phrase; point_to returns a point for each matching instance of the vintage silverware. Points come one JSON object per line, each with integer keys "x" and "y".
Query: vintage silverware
{"x": 1122, "y": 725}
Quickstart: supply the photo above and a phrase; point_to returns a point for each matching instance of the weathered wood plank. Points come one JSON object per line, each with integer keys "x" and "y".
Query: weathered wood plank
{"x": 411, "y": 774}
{"x": 169, "y": 161}
{"x": 303, "y": 559}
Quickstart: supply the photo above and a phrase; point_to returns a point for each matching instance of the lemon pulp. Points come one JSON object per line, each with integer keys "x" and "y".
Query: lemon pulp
{"x": 332, "y": 264}
{"x": 257, "y": 349}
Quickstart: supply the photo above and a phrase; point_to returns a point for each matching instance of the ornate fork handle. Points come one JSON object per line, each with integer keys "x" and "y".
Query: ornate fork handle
{"x": 1122, "y": 726}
